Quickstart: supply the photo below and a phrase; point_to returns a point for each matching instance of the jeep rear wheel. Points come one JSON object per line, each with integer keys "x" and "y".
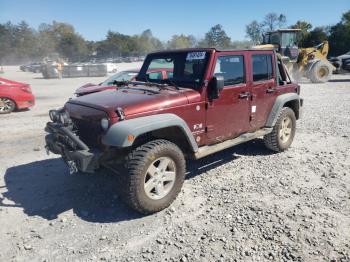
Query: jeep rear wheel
{"x": 283, "y": 132}
{"x": 155, "y": 174}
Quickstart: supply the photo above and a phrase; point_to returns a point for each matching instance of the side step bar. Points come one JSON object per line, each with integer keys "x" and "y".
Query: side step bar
{"x": 211, "y": 149}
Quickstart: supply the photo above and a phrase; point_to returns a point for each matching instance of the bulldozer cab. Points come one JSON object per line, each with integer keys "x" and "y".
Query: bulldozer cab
{"x": 285, "y": 41}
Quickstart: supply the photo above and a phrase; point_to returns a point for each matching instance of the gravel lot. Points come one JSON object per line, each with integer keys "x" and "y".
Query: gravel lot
{"x": 244, "y": 204}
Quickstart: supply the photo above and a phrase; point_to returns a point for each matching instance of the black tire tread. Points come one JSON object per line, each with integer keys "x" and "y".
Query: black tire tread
{"x": 135, "y": 162}
{"x": 271, "y": 139}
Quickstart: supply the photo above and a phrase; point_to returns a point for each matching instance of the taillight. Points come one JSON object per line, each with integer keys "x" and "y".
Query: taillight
{"x": 26, "y": 89}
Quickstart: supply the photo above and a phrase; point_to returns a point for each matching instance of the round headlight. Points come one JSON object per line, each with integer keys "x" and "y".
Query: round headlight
{"x": 104, "y": 123}
{"x": 53, "y": 115}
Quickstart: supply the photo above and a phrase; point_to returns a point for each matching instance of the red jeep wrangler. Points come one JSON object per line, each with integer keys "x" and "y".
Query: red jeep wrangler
{"x": 212, "y": 101}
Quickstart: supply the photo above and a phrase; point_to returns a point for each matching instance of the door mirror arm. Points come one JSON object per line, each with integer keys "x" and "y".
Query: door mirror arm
{"x": 216, "y": 84}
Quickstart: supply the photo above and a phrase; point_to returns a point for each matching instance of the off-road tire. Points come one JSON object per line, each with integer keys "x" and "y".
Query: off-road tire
{"x": 320, "y": 72}
{"x": 137, "y": 163}
{"x": 10, "y": 105}
{"x": 272, "y": 140}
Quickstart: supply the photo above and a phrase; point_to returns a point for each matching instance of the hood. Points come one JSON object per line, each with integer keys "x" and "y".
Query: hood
{"x": 91, "y": 88}
{"x": 7, "y": 82}
{"x": 134, "y": 100}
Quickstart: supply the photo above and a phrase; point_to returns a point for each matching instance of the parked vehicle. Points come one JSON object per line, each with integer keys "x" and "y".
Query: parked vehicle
{"x": 341, "y": 63}
{"x": 145, "y": 130}
{"x": 32, "y": 67}
{"x": 111, "y": 67}
{"x": 14, "y": 95}
{"x": 123, "y": 76}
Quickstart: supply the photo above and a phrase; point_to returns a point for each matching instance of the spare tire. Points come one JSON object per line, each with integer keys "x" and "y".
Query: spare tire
{"x": 320, "y": 72}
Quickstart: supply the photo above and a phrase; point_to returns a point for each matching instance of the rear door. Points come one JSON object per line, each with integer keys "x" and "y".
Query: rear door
{"x": 263, "y": 79}
{"x": 228, "y": 115}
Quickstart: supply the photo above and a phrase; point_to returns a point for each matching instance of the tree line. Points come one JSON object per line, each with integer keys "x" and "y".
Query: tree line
{"x": 21, "y": 43}
{"x": 338, "y": 35}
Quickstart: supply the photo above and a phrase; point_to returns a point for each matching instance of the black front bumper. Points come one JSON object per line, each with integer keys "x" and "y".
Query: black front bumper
{"x": 78, "y": 156}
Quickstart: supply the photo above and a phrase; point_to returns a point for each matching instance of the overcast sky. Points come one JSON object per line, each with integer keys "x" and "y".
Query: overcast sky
{"x": 93, "y": 19}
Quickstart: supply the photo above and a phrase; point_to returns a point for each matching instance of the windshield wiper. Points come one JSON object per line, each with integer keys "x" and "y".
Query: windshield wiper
{"x": 121, "y": 83}
{"x": 125, "y": 85}
{"x": 171, "y": 83}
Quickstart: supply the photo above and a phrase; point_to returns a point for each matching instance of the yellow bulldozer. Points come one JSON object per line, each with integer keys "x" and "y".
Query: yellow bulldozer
{"x": 309, "y": 62}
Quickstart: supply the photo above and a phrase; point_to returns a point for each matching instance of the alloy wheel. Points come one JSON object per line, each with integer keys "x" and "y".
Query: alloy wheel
{"x": 285, "y": 129}
{"x": 6, "y": 105}
{"x": 160, "y": 178}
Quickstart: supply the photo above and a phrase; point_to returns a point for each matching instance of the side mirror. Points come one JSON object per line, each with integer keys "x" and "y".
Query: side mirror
{"x": 217, "y": 84}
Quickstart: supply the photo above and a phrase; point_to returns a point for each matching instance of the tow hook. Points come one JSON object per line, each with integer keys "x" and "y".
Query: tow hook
{"x": 72, "y": 167}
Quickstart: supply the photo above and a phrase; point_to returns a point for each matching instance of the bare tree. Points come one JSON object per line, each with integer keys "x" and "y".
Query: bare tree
{"x": 272, "y": 21}
{"x": 254, "y": 32}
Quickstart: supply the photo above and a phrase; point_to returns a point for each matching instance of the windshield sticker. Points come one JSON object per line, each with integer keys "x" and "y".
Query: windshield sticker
{"x": 195, "y": 56}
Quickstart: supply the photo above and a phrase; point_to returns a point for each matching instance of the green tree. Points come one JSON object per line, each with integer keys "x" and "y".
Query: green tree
{"x": 305, "y": 28}
{"x": 339, "y": 36}
{"x": 6, "y": 47}
{"x": 69, "y": 44}
{"x": 181, "y": 41}
{"x": 146, "y": 42}
{"x": 216, "y": 37}
{"x": 25, "y": 41}
{"x": 314, "y": 37}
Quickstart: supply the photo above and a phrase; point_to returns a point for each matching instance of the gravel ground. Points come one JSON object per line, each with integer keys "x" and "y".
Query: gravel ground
{"x": 243, "y": 204}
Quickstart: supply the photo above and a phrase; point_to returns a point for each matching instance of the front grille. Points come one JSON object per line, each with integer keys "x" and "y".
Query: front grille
{"x": 88, "y": 131}
{"x": 87, "y": 123}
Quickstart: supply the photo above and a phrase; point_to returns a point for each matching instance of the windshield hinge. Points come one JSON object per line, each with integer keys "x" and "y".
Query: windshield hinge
{"x": 120, "y": 113}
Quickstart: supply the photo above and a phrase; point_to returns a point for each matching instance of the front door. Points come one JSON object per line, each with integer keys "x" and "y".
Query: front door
{"x": 228, "y": 116}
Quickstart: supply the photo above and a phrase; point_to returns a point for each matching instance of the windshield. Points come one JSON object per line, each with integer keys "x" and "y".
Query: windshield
{"x": 289, "y": 39}
{"x": 184, "y": 69}
{"x": 121, "y": 76}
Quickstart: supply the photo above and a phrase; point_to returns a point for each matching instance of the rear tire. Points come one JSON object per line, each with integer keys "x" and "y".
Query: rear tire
{"x": 283, "y": 132}
{"x": 6, "y": 105}
{"x": 154, "y": 177}
{"x": 320, "y": 72}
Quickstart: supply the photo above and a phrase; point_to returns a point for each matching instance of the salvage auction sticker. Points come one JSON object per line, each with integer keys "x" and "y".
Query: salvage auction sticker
{"x": 195, "y": 56}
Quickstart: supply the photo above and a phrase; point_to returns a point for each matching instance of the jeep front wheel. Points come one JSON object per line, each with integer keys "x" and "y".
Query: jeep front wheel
{"x": 154, "y": 177}
{"x": 283, "y": 132}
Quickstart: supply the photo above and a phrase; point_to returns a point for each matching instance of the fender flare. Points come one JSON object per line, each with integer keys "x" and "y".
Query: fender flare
{"x": 117, "y": 134}
{"x": 279, "y": 103}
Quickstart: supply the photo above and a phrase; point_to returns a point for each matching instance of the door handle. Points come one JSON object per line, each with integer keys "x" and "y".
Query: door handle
{"x": 244, "y": 95}
{"x": 270, "y": 90}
